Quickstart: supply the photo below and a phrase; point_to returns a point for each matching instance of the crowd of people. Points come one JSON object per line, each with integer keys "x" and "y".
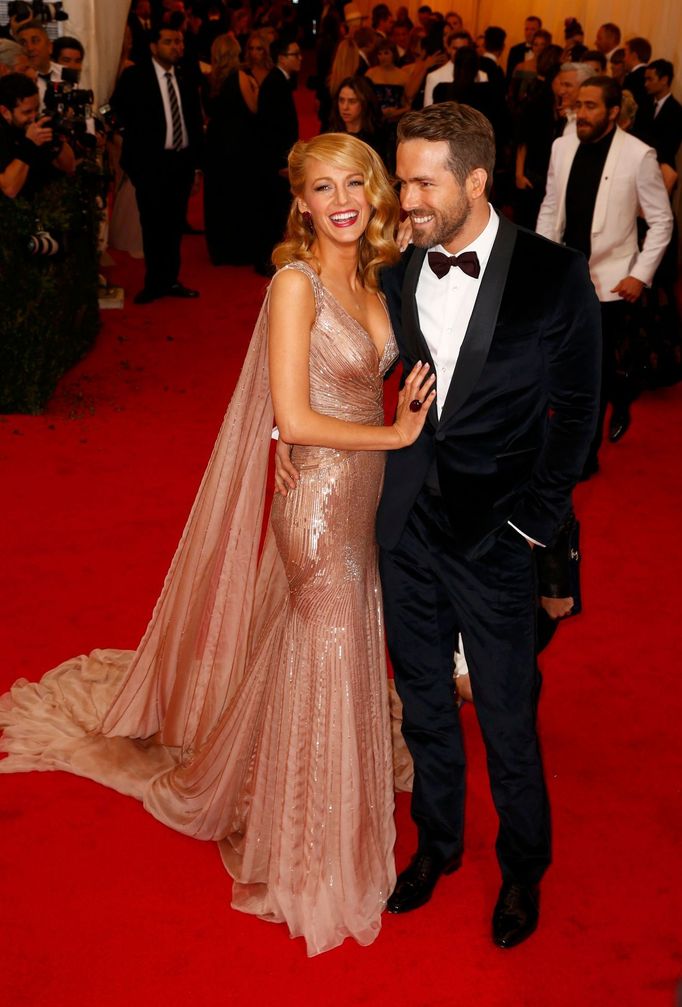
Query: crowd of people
{"x": 262, "y": 681}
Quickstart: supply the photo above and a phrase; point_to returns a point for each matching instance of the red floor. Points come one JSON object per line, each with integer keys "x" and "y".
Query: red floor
{"x": 102, "y": 905}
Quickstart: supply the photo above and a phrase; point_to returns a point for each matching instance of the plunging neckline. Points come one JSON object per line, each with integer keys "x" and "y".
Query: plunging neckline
{"x": 380, "y": 356}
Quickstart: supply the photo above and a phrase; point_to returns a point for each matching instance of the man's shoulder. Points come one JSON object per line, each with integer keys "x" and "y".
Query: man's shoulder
{"x": 541, "y": 256}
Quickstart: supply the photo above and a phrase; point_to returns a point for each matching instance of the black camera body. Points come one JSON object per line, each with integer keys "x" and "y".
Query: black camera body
{"x": 68, "y": 107}
{"x": 38, "y": 10}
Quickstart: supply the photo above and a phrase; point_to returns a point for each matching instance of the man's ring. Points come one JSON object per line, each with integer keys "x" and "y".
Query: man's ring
{"x": 415, "y": 405}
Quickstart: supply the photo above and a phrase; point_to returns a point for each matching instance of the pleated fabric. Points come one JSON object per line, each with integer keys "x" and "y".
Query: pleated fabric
{"x": 255, "y": 711}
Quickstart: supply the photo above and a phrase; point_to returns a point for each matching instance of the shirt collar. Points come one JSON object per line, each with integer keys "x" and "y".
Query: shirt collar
{"x": 482, "y": 243}
{"x": 659, "y": 101}
{"x": 160, "y": 72}
{"x": 282, "y": 70}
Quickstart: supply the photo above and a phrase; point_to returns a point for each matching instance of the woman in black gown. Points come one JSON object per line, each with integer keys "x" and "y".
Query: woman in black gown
{"x": 231, "y": 159}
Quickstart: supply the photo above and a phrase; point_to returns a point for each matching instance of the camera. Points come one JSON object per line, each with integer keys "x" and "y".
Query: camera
{"x": 69, "y": 108}
{"x": 42, "y": 243}
{"x": 36, "y": 11}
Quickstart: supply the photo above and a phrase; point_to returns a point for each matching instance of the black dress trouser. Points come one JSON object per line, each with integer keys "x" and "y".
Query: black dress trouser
{"x": 431, "y": 593}
{"x": 162, "y": 190}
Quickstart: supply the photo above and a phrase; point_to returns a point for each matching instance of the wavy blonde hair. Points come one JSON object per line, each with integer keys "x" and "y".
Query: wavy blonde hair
{"x": 346, "y": 63}
{"x": 225, "y": 57}
{"x": 377, "y": 245}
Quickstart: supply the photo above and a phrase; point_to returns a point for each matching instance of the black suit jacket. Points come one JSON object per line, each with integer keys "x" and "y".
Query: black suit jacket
{"x": 664, "y": 133}
{"x": 279, "y": 119}
{"x": 138, "y": 105}
{"x": 533, "y": 345}
{"x": 517, "y": 54}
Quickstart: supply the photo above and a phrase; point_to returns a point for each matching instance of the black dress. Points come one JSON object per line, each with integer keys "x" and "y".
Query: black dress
{"x": 230, "y": 177}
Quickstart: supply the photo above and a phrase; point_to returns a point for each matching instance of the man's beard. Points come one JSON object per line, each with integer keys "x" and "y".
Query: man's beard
{"x": 595, "y": 131}
{"x": 444, "y": 227}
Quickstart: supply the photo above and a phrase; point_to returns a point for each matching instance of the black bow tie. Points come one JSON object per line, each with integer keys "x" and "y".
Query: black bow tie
{"x": 467, "y": 262}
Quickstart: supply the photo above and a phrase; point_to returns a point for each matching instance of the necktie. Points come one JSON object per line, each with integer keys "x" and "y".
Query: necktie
{"x": 176, "y": 118}
{"x": 467, "y": 262}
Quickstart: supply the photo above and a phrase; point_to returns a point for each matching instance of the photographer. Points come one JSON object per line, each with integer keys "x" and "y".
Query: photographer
{"x": 30, "y": 153}
{"x": 69, "y": 52}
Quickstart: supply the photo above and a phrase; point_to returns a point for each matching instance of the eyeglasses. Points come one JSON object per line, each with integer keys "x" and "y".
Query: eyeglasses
{"x": 297, "y": 52}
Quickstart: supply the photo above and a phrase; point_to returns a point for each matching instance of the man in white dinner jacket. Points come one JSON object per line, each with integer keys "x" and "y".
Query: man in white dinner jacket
{"x": 600, "y": 180}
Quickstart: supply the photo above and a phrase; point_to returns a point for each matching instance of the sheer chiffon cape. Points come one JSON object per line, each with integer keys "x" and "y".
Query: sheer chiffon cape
{"x": 173, "y": 723}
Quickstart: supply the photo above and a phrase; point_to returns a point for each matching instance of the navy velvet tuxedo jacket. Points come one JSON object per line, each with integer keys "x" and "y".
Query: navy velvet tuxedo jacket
{"x": 521, "y": 409}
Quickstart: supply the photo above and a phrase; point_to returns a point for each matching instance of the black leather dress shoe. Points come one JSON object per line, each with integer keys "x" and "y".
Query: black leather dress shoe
{"x": 618, "y": 425}
{"x": 415, "y": 884}
{"x": 516, "y": 914}
{"x": 146, "y": 297}
{"x": 180, "y": 290}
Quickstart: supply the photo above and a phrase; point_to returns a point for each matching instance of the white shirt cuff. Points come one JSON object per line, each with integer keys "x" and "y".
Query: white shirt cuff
{"x": 533, "y": 540}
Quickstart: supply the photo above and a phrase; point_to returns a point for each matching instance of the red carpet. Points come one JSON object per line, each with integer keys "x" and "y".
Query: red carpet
{"x": 102, "y": 905}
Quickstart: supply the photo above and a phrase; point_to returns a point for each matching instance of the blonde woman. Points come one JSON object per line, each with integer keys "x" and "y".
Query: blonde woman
{"x": 230, "y": 158}
{"x": 257, "y": 60}
{"x": 260, "y": 685}
{"x": 346, "y": 63}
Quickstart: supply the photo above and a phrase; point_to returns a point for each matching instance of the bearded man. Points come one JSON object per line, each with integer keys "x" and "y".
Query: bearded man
{"x": 599, "y": 181}
{"x": 510, "y": 325}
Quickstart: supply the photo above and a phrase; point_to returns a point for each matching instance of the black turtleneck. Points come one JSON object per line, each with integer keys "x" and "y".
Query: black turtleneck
{"x": 581, "y": 191}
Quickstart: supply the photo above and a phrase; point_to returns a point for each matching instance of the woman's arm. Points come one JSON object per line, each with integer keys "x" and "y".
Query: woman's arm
{"x": 292, "y": 315}
{"x": 249, "y": 90}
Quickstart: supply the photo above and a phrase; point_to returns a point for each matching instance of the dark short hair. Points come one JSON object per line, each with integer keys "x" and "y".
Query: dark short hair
{"x": 641, "y": 48}
{"x": 663, "y": 68}
{"x": 380, "y": 12}
{"x": 617, "y": 57}
{"x": 279, "y": 46}
{"x": 594, "y": 56}
{"x": 156, "y": 29}
{"x": 612, "y": 92}
{"x": 612, "y": 29}
{"x": 66, "y": 42}
{"x": 14, "y": 88}
{"x": 33, "y": 26}
{"x": 543, "y": 33}
{"x": 534, "y": 17}
{"x": 467, "y": 132}
{"x": 424, "y": 9}
{"x": 494, "y": 38}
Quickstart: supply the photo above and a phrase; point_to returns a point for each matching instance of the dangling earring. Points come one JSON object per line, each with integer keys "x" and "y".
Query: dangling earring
{"x": 308, "y": 221}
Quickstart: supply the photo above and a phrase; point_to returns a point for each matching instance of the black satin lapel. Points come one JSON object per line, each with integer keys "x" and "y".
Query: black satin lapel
{"x": 414, "y": 337}
{"x": 479, "y": 334}
{"x": 411, "y": 328}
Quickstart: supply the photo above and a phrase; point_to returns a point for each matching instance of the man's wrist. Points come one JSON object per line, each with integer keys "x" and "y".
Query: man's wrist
{"x": 26, "y": 151}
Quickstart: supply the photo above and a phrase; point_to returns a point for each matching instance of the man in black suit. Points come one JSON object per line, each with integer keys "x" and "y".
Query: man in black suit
{"x": 662, "y": 122}
{"x": 279, "y": 128}
{"x": 161, "y": 117}
{"x": 524, "y": 50}
{"x": 637, "y": 55}
{"x": 511, "y": 327}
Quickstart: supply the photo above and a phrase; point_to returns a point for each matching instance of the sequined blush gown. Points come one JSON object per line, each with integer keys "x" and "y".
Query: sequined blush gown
{"x": 255, "y": 710}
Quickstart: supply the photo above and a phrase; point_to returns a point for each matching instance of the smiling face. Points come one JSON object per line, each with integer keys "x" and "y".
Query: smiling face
{"x": 437, "y": 205}
{"x": 336, "y": 199}
{"x": 531, "y": 25}
{"x": 38, "y": 48}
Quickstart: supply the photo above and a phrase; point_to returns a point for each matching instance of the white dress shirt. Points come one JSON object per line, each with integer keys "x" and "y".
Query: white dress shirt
{"x": 658, "y": 104}
{"x": 163, "y": 86}
{"x": 54, "y": 73}
{"x": 445, "y": 307}
{"x": 445, "y": 75}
